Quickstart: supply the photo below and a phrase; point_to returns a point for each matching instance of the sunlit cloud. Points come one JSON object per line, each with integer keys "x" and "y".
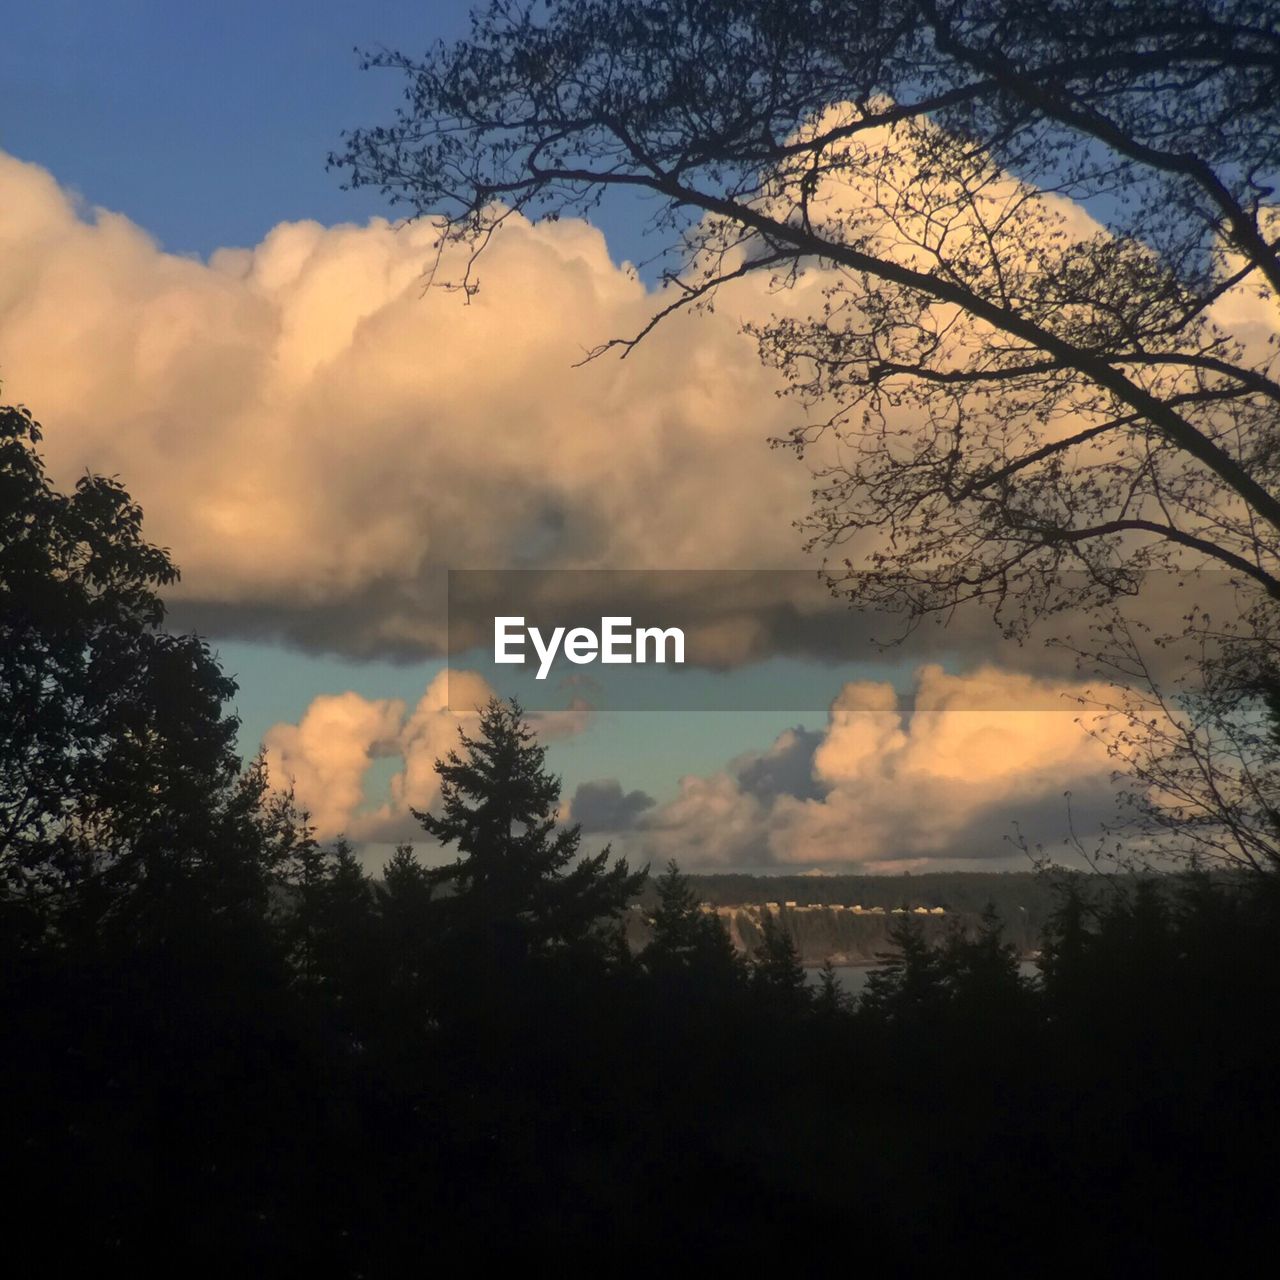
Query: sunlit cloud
{"x": 326, "y": 758}
{"x": 950, "y": 773}
{"x": 318, "y": 437}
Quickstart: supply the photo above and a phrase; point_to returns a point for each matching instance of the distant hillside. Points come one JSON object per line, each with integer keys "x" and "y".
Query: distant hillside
{"x": 847, "y": 918}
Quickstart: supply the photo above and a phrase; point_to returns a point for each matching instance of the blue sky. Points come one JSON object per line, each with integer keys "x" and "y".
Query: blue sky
{"x": 208, "y": 123}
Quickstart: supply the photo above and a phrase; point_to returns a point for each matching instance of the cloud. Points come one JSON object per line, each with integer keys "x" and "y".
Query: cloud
{"x": 602, "y": 805}
{"x": 784, "y": 769}
{"x": 326, "y": 757}
{"x": 945, "y": 774}
{"x": 317, "y": 438}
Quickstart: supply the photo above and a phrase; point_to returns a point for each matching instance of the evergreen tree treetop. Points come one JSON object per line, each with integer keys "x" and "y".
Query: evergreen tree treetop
{"x": 518, "y": 876}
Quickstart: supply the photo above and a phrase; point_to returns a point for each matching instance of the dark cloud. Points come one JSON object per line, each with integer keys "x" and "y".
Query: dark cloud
{"x": 602, "y": 805}
{"x": 786, "y": 769}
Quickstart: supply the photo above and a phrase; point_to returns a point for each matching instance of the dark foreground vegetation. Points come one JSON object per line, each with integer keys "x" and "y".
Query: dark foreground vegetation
{"x": 226, "y": 1049}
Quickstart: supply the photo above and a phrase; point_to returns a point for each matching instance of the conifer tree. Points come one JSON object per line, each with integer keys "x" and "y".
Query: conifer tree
{"x": 1066, "y": 953}
{"x": 778, "y": 973}
{"x": 984, "y": 967}
{"x": 686, "y": 938}
{"x": 909, "y": 987}
{"x": 832, "y": 998}
{"x": 406, "y": 919}
{"x": 517, "y": 888}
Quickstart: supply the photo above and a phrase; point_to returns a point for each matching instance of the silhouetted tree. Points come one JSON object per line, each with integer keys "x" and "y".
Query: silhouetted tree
{"x": 687, "y": 940}
{"x": 407, "y": 927}
{"x": 983, "y": 969}
{"x": 909, "y": 987}
{"x": 303, "y": 870}
{"x": 777, "y": 973}
{"x": 118, "y": 771}
{"x": 831, "y": 999}
{"x": 518, "y": 888}
{"x": 1064, "y": 947}
{"x": 871, "y": 141}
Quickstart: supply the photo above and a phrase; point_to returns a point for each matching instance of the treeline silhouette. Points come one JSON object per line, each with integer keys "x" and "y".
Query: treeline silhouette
{"x": 227, "y": 1048}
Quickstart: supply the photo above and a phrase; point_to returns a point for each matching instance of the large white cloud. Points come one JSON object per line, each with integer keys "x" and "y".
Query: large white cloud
{"x": 892, "y": 781}
{"x": 316, "y": 436}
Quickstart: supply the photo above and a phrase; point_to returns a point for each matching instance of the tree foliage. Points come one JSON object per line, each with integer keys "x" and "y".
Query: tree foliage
{"x": 687, "y": 940}
{"x": 119, "y": 780}
{"x": 518, "y": 887}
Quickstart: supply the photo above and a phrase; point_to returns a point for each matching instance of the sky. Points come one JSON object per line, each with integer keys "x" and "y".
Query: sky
{"x": 209, "y": 123}
{"x": 189, "y": 300}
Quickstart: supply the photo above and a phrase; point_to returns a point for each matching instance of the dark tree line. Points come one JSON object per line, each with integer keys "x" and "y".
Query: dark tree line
{"x": 226, "y": 1047}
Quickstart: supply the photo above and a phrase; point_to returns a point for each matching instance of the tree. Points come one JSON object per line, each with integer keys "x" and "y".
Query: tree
{"x": 1065, "y": 951}
{"x": 687, "y": 940}
{"x": 1038, "y": 243}
{"x": 909, "y": 987}
{"x": 919, "y": 151}
{"x": 518, "y": 888}
{"x": 777, "y": 972}
{"x": 832, "y": 999}
{"x": 406, "y": 915}
{"x": 121, "y": 796}
{"x": 982, "y": 972}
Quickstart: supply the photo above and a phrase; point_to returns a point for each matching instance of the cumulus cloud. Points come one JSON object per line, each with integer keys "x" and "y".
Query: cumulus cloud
{"x": 317, "y": 438}
{"x": 327, "y": 755}
{"x": 945, "y": 774}
{"x": 602, "y": 805}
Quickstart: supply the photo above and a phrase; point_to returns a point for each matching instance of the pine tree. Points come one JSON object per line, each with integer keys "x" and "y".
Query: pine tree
{"x": 983, "y": 961}
{"x": 832, "y": 999}
{"x": 688, "y": 939}
{"x": 404, "y": 897}
{"x": 677, "y": 917}
{"x": 405, "y": 909}
{"x": 778, "y": 973}
{"x": 303, "y": 870}
{"x": 518, "y": 888}
{"x": 909, "y": 987}
{"x": 982, "y": 973}
{"x": 1066, "y": 952}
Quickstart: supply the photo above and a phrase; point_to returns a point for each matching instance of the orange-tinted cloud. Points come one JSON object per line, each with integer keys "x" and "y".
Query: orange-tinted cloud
{"x": 946, "y": 775}
{"x": 327, "y": 755}
{"x": 317, "y": 437}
